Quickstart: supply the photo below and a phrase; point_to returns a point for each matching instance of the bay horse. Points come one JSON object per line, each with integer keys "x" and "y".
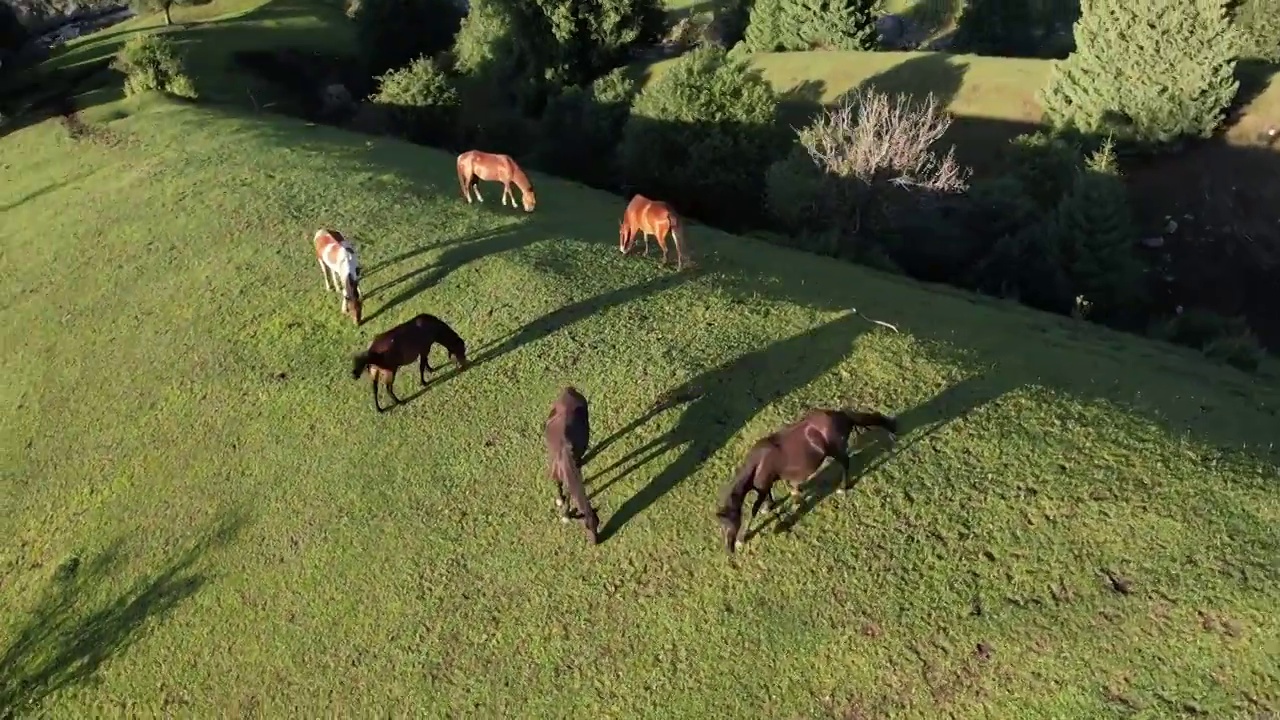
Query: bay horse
{"x": 410, "y": 340}
{"x": 794, "y": 453}
{"x": 337, "y": 257}
{"x": 650, "y": 217}
{"x": 567, "y": 432}
{"x": 477, "y": 165}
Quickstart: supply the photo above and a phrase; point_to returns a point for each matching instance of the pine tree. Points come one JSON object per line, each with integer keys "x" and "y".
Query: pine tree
{"x": 798, "y": 25}
{"x": 1094, "y": 231}
{"x": 1146, "y": 71}
{"x": 996, "y": 27}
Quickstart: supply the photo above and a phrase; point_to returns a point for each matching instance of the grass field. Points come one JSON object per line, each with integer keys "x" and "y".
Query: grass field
{"x": 206, "y": 517}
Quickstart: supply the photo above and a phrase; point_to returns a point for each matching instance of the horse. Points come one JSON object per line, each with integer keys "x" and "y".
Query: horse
{"x": 794, "y": 453}
{"x": 337, "y": 256}
{"x": 567, "y": 432}
{"x": 650, "y": 217}
{"x": 410, "y": 340}
{"x": 477, "y": 165}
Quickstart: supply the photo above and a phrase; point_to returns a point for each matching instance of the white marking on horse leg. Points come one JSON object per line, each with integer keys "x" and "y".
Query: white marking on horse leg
{"x": 476, "y": 189}
{"x": 325, "y": 270}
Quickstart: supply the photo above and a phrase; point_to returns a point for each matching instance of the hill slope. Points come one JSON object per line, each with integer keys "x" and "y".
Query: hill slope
{"x": 206, "y": 516}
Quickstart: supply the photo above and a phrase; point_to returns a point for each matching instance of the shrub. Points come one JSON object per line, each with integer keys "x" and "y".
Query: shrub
{"x": 1258, "y": 25}
{"x": 702, "y": 135}
{"x": 420, "y": 102}
{"x": 151, "y": 62}
{"x": 391, "y": 33}
{"x": 811, "y": 24}
{"x": 865, "y": 166}
{"x": 569, "y": 42}
{"x": 1225, "y": 339}
{"x": 996, "y": 27}
{"x": 1026, "y": 265}
{"x": 581, "y": 129}
{"x": 1045, "y": 166}
{"x": 486, "y": 45}
{"x": 13, "y": 34}
{"x": 1146, "y": 71}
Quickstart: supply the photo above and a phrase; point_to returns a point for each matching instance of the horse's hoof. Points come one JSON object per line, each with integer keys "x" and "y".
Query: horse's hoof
{"x": 564, "y": 518}
{"x": 559, "y": 503}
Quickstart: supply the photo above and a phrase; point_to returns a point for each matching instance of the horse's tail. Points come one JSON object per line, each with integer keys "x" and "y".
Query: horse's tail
{"x": 361, "y": 362}
{"x": 571, "y": 475}
{"x": 872, "y": 419}
{"x": 730, "y": 511}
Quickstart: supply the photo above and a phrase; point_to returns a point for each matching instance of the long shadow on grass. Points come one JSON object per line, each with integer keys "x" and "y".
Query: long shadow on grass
{"x": 459, "y": 253}
{"x": 66, "y": 639}
{"x": 725, "y": 399}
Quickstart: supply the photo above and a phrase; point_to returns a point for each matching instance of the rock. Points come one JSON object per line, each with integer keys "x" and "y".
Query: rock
{"x": 1153, "y": 242}
{"x": 1171, "y": 226}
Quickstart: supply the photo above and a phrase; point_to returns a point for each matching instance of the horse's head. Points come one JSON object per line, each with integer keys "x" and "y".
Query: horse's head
{"x": 355, "y": 307}
{"x": 529, "y": 199}
{"x": 625, "y": 239}
{"x": 459, "y": 354}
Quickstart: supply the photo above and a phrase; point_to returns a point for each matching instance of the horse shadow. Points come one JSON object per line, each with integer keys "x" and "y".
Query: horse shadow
{"x": 915, "y": 426}
{"x": 721, "y": 402}
{"x": 456, "y": 255}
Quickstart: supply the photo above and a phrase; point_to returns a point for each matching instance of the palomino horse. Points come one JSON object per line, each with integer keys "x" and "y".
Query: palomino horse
{"x": 337, "y": 257}
{"x": 650, "y": 217}
{"x": 476, "y": 165}
{"x": 794, "y": 453}
{"x": 567, "y": 432}
{"x": 410, "y": 340}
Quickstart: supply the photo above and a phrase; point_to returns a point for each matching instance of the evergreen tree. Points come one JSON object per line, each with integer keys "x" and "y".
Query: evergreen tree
{"x": 1003, "y": 28}
{"x": 1146, "y": 71}
{"x": 798, "y": 25}
{"x": 1258, "y": 22}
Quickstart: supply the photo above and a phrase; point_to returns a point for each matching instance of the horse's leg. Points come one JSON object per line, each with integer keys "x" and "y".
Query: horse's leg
{"x": 662, "y": 244}
{"x": 424, "y": 367}
{"x": 645, "y": 235}
{"x": 375, "y": 376}
{"x": 390, "y": 379}
{"x": 841, "y": 456}
{"x": 475, "y": 188}
{"x": 325, "y": 270}
{"x": 506, "y": 193}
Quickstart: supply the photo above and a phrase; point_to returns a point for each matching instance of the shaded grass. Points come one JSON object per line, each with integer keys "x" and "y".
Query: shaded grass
{"x": 1076, "y": 520}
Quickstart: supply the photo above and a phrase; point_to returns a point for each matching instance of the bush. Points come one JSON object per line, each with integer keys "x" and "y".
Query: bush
{"x": 581, "y": 129}
{"x": 391, "y": 33}
{"x": 420, "y": 102}
{"x": 1258, "y": 25}
{"x": 864, "y": 168}
{"x": 1045, "y": 166}
{"x": 702, "y": 135}
{"x": 13, "y": 34}
{"x": 812, "y": 24}
{"x": 151, "y": 62}
{"x": 1225, "y": 339}
{"x": 1146, "y": 71}
{"x": 996, "y": 27}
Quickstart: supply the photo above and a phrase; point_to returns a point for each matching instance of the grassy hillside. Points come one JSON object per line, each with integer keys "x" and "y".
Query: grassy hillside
{"x": 205, "y": 516}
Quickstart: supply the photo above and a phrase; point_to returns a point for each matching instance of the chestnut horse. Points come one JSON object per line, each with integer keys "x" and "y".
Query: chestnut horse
{"x": 476, "y": 165}
{"x": 567, "y": 432}
{"x": 337, "y": 257}
{"x": 794, "y": 453}
{"x": 650, "y": 217}
{"x": 410, "y": 340}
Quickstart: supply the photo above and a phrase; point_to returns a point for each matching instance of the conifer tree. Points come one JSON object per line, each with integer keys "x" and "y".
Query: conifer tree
{"x": 798, "y": 25}
{"x": 1146, "y": 71}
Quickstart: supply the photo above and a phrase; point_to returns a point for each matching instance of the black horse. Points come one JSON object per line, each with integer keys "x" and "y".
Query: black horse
{"x": 568, "y": 432}
{"x": 410, "y": 340}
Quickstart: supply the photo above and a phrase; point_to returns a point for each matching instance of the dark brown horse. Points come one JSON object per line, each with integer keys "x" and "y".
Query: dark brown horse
{"x": 410, "y": 340}
{"x": 568, "y": 432}
{"x": 794, "y": 453}
{"x": 476, "y": 165}
{"x": 650, "y": 217}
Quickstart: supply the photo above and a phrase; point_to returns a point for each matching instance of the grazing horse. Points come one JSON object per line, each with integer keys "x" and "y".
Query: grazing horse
{"x": 567, "y": 432}
{"x": 337, "y": 257}
{"x": 650, "y": 217}
{"x": 410, "y": 340}
{"x": 476, "y": 165}
{"x": 794, "y": 453}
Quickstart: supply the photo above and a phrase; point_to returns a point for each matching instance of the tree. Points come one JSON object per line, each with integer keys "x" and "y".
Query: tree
{"x": 582, "y": 127}
{"x": 572, "y": 42}
{"x": 152, "y": 62}
{"x": 392, "y": 33}
{"x": 798, "y": 25}
{"x": 419, "y": 100}
{"x": 1258, "y": 24}
{"x": 996, "y": 27}
{"x": 701, "y": 136}
{"x": 1146, "y": 71}
{"x": 165, "y": 6}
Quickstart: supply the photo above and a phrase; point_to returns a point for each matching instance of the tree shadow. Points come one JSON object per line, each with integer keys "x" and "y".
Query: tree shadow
{"x": 454, "y": 257}
{"x": 724, "y": 400}
{"x": 936, "y": 73}
{"x": 67, "y": 638}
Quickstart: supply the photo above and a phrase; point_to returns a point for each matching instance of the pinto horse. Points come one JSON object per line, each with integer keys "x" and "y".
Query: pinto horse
{"x": 337, "y": 257}
{"x": 567, "y": 432}
{"x": 410, "y": 340}
{"x": 650, "y": 217}
{"x": 794, "y": 453}
{"x": 476, "y": 165}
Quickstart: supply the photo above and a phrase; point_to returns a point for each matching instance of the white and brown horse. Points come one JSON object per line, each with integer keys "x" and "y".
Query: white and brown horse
{"x": 337, "y": 257}
{"x": 650, "y": 217}
{"x": 476, "y": 165}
